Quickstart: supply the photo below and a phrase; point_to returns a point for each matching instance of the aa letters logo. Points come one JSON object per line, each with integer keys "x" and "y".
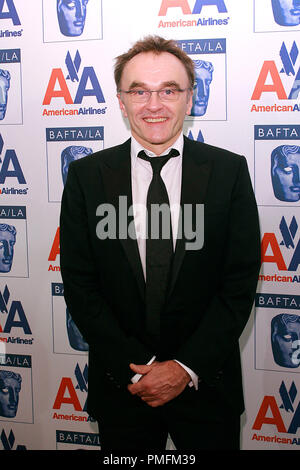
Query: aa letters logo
{"x": 280, "y": 415}
{"x": 76, "y": 85}
{"x": 77, "y": 20}
{"x": 10, "y": 169}
{"x": 210, "y": 88}
{"x": 11, "y": 110}
{"x": 277, "y": 165}
{"x": 72, "y": 396}
{"x": 13, "y": 319}
{"x": 279, "y": 80}
{"x": 9, "y": 19}
{"x": 182, "y": 13}
{"x": 277, "y": 332}
{"x": 276, "y": 15}
{"x": 280, "y": 251}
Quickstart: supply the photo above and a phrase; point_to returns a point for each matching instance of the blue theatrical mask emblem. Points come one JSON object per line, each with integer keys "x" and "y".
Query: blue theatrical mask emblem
{"x": 204, "y": 71}
{"x": 285, "y": 172}
{"x": 75, "y": 337}
{"x": 7, "y": 242}
{"x": 10, "y": 387}
{"x": 69, "y": 154}
{"x": 71, "y": 16}
{"x": 286, "y": 12}
{"x": 285, "y": 338}
{"x": 4, "y": 87}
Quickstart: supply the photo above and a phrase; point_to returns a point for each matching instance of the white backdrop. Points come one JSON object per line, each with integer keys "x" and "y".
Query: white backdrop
{"x": 61, "y": 94}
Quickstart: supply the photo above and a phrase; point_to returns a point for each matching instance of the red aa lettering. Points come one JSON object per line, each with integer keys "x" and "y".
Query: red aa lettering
{"x": 269, "y": 239}
{"x": 275, "y": 419}
{"x": 269, "y": 67}
{"x": 62, "y": 92}
{"x": 55, "y": 250}
{"x": 183, "y": 4}
{"x": 67, "y": 385}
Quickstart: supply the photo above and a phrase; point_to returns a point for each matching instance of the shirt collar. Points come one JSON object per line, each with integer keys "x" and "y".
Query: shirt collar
{"x": 136, "y": 147}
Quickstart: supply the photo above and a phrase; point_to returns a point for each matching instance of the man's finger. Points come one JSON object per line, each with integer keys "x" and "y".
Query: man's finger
{"x": 140, "y": 369}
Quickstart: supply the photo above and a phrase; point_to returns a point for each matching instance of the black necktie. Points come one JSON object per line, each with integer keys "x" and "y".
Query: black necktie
{"x": 159, "y": 244}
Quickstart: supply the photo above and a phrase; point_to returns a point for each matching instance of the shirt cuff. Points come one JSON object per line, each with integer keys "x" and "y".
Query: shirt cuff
{"x": 137, "y": 377}
{"x": 194, "y": 377}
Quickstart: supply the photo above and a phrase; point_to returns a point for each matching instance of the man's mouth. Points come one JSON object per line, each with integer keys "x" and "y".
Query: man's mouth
{"x": 295, "y": 11}
{"x": 154, "y": 120}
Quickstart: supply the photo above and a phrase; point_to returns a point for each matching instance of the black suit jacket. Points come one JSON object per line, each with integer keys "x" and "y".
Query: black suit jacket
{"x": 211, "y": 290}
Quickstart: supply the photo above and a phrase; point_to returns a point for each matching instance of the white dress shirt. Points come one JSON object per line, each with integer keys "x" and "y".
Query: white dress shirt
{"x": 141, "y": 176}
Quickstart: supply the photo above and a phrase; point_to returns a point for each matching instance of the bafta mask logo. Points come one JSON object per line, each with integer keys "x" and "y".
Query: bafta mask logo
{"x": 10, "y": 387}
{"x": 204, "y": 71}
{"x": 286, "y": 12}
{"x": 285, "y": 172}
{"x": 71, "y": 16}
{"x": 4, "y": 87}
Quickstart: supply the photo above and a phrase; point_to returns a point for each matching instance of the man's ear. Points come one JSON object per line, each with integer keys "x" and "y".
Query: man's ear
{"x": 122, "y": 106}
{"x": 189, "y": 103}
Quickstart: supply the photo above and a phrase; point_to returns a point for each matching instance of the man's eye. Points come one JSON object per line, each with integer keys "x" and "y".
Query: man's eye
{"x": 138, "y": 92}
{"x": 287, "y": 169}
{"x": 4, "y": 390}
{"x": 168, "y": 91}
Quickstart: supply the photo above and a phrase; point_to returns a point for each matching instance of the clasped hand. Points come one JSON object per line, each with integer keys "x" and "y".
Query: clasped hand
{"x": 160, "y": 382}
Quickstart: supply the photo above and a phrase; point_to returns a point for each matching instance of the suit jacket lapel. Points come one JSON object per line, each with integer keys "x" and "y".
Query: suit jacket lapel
{"x": 195, "y": 176}
{"x": 116, "y": 174}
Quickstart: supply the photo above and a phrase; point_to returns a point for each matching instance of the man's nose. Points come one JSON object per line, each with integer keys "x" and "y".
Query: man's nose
{"x": 154, "y": 102}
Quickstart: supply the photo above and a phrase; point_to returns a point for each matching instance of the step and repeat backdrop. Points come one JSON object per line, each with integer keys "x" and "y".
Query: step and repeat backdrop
{"x": 58, "y": 103}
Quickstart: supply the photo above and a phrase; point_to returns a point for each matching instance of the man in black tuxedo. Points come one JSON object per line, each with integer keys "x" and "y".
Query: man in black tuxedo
{"x": 162, "y": 316}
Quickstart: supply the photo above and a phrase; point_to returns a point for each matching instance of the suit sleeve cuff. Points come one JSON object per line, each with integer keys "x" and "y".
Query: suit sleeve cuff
{"x": 194, "y": 377}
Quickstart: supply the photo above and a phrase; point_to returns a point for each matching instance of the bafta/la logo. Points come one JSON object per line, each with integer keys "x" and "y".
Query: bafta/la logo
{"x": 10, "y": 166}
{"x": 283, "y": 250}
{"x": 75, "y": 85}
{"x": 8, "y": 441}
{"x": 8, "y": 11}
{"x": 271, "y": 76}
{"x": 68, "y": 390}
{"x": 12, "y": 314}
{"x": 284, "y": 413}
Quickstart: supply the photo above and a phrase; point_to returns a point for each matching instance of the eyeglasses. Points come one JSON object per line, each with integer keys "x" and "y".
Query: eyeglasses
{"x": 143, "y": 96}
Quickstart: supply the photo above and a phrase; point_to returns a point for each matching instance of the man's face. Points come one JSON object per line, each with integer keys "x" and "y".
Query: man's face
{"x": 7, "y": 242}
{"x": 286, "y": 177}
{"x": 201, "y": 91}
{"x": 4, "y": 87}
{"x": 9, "y": 397}
{"x": 286, "y": 344}
{"x": 286, "y": 12}
{"x": 155, "y": 124}
{"x": 71, "y": 16}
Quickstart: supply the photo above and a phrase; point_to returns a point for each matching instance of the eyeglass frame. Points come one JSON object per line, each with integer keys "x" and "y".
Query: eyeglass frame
{"x": 149, "y": 93}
